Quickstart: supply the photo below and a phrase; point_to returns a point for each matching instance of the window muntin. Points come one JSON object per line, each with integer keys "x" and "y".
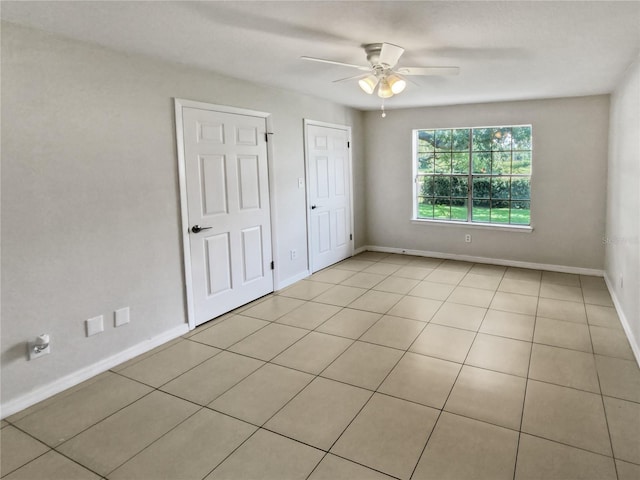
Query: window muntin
{"x": 479, "y": 175}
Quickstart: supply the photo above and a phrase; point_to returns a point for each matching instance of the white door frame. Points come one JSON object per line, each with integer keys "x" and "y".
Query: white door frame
{"x": 346, "y": 128}
{"x": 182, "y": 178}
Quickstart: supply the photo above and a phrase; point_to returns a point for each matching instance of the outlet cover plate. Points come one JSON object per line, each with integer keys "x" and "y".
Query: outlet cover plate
{"x": 121, "y": 316}
{"x": 95, "y": 325}
{"x": 33, "y": 354}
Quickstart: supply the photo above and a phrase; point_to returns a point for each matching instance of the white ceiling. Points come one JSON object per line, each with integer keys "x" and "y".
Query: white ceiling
{"x": 506, "y": 50}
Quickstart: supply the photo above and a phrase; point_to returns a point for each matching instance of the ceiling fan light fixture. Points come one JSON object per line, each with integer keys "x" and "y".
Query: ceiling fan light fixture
{"x": 384, "y": 90}
{"x": 397, "y": 83}
{"x": 368, "y": 84}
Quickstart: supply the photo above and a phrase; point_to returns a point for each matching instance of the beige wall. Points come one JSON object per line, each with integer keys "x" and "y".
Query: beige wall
{"x": 568, "y": 183}
{"x": 90, "y": 205}
{"x": 90, "y": 200}
{"x": 623, "y": 202}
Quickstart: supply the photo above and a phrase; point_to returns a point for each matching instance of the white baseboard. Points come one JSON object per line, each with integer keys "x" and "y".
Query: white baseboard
{"x": 85, "y": 373}
{"x": 302, "y": 275}
{"x": 291, "y": 280}
{"x": 633, "y": 341}
{"x": 492, "y": 261}
{"x": 360, "y": 250}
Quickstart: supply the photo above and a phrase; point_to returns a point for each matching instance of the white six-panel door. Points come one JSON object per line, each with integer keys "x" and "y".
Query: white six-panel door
{"x": 227, "y": 196}
{"x": 329, "y": 194}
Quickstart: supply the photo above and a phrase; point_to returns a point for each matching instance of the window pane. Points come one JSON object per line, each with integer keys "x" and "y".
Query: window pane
{"x": 425, "y": 207}
{"x": 499, "y": 211}
{"x": 501, "y": 163}
{"x": 426, "y": 162}
{"x": 443, "y": 140}
{"x": 460, "y": 140}
{"x": 481, "y": 211}
{"x": 460, "y": 162}
{"x": 442, "y": 186}
{"x": 520, "y": 188}
{"x": 522, "y": 138}
{"x": 501, "y": 139}
{"x": 425, "y": 186}
{"x": 426, "y": 140}
{"x": 459, "y": 209}
{"x": 500, "y": 188}
{"x": 521, "y": 163}
{"x": 482, "y": 139}
{"x": 442, "y": 209}
{"x": 443, "y": 163}
{"x": 498, "y": 160}
{"x": 459, "y": 186}
{"x": 521, "y": 213}
{"x": 481, "y": 187}
{"x": 481, "y": 163}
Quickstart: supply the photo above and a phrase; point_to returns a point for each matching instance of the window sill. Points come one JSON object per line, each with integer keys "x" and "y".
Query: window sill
{"x": 484, "y": 226}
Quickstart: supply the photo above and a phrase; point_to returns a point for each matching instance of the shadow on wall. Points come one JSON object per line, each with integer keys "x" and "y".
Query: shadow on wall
{"x": 14, "y": 353}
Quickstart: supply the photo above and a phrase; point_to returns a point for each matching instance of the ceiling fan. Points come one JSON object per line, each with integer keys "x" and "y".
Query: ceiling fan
{"x": 381, "y": 73}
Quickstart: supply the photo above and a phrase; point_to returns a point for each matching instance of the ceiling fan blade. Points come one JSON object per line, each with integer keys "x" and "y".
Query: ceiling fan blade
{"x": 390, "y": 54}
{"x": 354, "y": 77}
{"x": 429, "y": 70}
{"x": 332, "y": 62}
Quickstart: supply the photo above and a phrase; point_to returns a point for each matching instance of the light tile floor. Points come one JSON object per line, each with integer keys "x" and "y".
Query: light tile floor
{"x": 382, "y": 366}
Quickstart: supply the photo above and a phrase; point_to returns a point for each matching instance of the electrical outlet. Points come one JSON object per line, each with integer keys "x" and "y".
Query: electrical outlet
{"x": 121, "y": 317}
{"x": 293, "y": 254}
{"x": 33, "y": 354}
{"x": 39, "y": 348}
{"x": 467, "y": 238}
{"x": 94, "y": 325}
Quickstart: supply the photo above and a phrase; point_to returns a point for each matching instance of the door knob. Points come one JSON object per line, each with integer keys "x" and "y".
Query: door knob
{"x": 313, "y": 207}
{"x": 198, "y": 228}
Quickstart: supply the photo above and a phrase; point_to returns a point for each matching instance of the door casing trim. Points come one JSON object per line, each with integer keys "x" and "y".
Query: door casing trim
{"x": 179, "y": 104}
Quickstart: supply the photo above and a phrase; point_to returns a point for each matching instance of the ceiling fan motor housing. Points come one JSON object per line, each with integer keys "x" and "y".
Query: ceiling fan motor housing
{"x": 373, "y": 53}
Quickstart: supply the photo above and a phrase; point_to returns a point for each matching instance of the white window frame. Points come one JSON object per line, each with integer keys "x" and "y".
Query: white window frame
{"x": 469, "y": 198}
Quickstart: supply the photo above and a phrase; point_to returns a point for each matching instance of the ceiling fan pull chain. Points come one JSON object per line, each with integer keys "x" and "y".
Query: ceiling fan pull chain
{"x": 384, "y": 114}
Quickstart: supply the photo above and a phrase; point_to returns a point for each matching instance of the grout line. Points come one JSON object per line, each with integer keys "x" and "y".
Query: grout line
{"x": 357, "y": 463}
{"x": 233, "y": 450}
{"x": 424, "y": 448}
{"x": 526, "y": 383}
{"x": 574, "y": 446}
{"x": 76, "y": 462}
{"x": 604, "y": 408}
{"x": 157, "y": 439}
{"x": 49, "y": 449}
{"x": 55, "y": 447}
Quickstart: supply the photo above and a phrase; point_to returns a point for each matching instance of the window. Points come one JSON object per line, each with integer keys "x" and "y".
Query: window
{"x": 476, "y": 175}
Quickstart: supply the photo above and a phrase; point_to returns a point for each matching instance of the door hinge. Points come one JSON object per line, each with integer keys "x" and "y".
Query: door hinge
{"x": 348, "y": 144}
{"x": 351, "y": 236}
{"x": 266, "y": 136}
{"x": 273, "y": 265}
